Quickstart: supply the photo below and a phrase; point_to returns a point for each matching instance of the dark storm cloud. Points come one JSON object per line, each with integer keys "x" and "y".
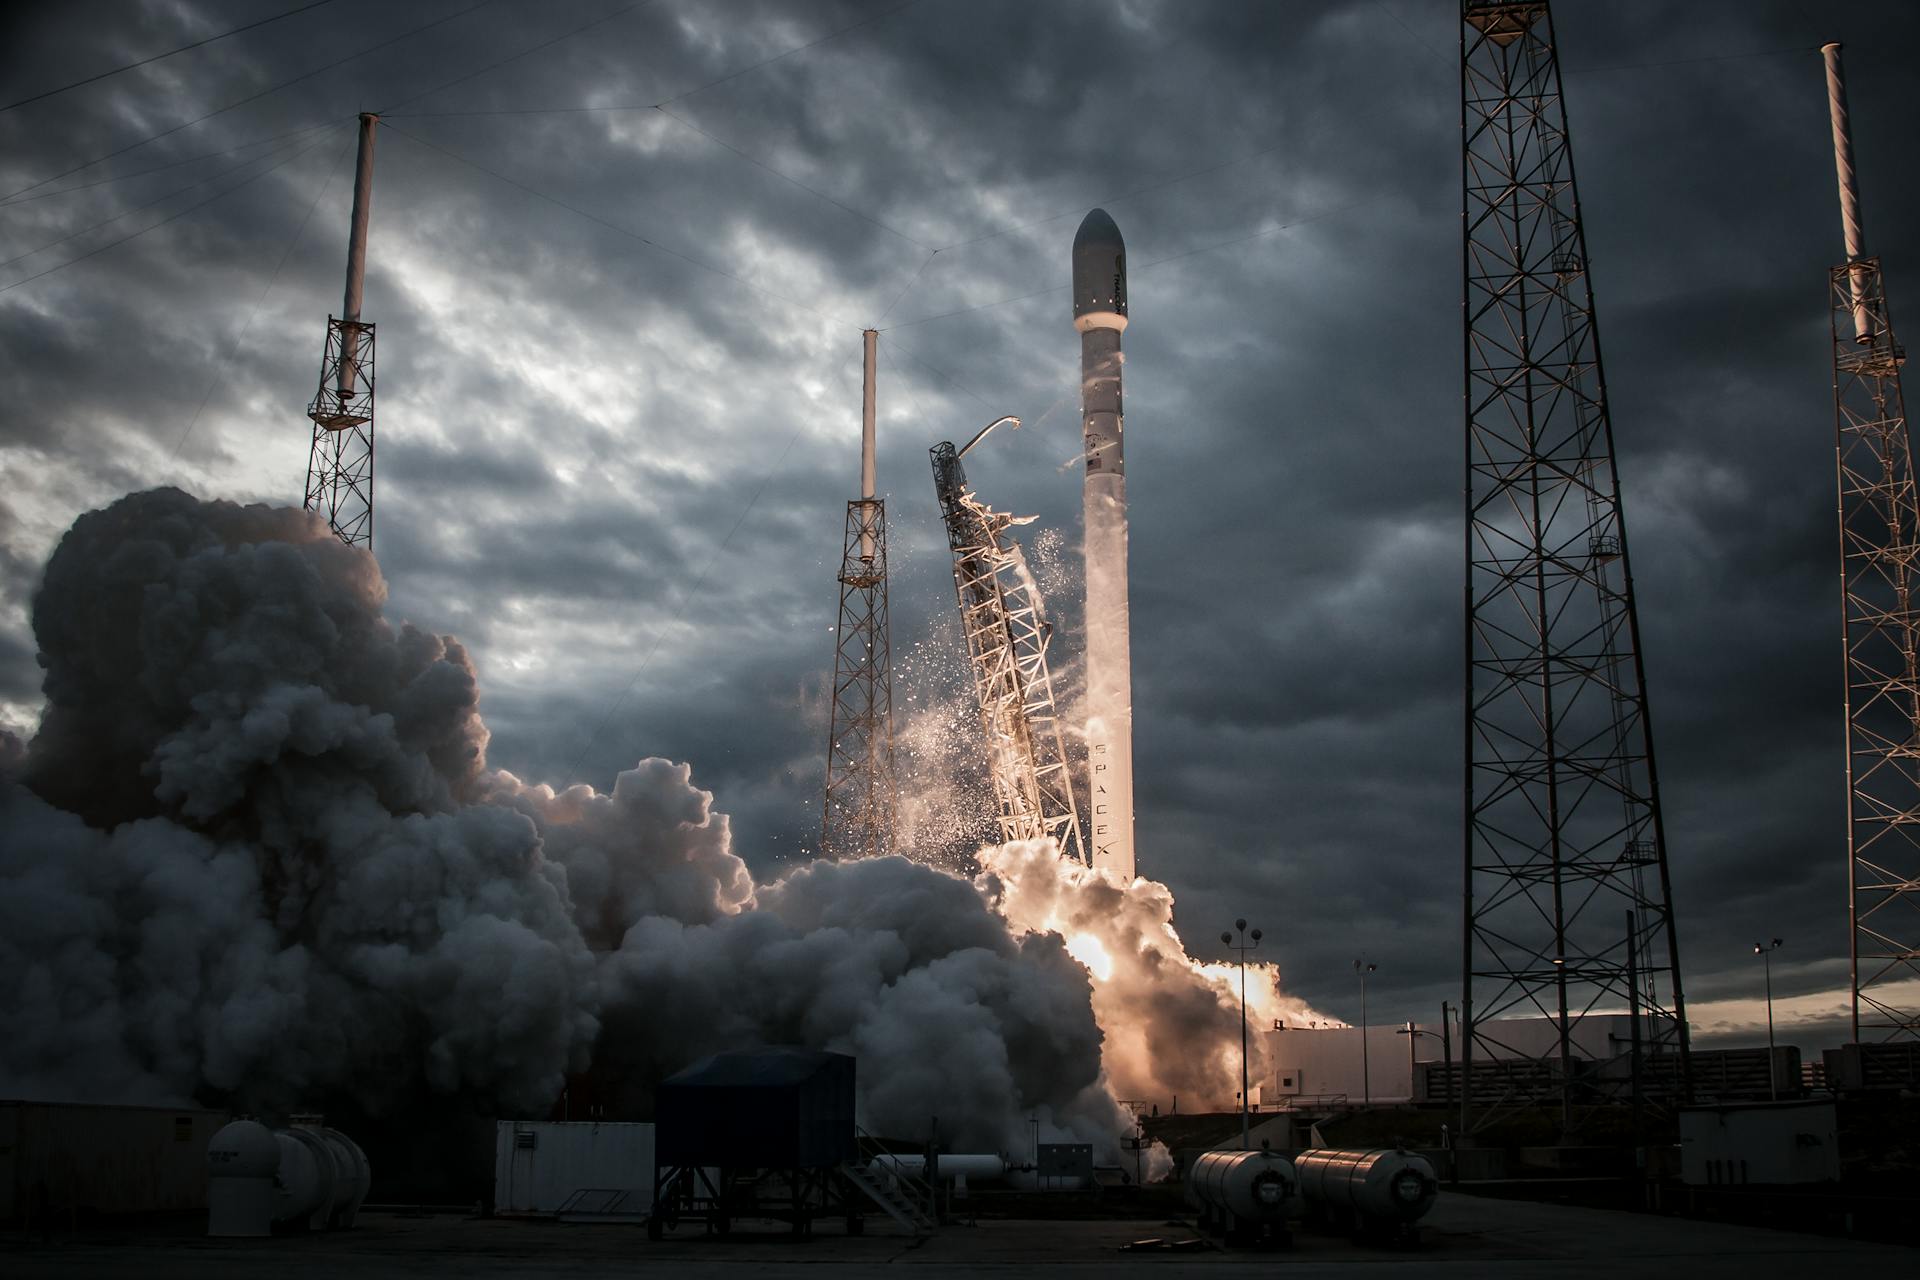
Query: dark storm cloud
{"x": 620, "y": 476}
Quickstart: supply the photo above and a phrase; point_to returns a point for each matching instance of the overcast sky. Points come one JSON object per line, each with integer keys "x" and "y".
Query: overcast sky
{"x": 619, "y": 387}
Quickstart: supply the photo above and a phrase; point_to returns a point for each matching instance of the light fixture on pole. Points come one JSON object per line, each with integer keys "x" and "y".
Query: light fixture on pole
{"x": 1765, "y": 951}
{"x": 1248, "y": 941}
{"x": 1363, "y": 968}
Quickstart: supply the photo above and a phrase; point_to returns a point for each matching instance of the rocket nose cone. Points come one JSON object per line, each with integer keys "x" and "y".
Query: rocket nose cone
{"x": 1099, "y": 267}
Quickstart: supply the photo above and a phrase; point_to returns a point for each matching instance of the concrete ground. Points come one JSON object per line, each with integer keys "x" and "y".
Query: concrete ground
{"x": 1464, "y": 1236}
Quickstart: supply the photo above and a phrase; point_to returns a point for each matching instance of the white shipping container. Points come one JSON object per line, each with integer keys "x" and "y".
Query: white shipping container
{"x": 583, "y": 1167}
{"x": 1774, "y": 1143}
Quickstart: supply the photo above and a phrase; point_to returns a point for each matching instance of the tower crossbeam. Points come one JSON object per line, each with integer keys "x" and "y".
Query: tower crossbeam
{"x": 858, "y": 811}
{"x": 1567, "y": 906}
{"x": 1879, "y": 517}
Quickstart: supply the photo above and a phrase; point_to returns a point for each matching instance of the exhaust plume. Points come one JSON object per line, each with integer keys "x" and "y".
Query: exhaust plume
{"x": 255, "y": 855}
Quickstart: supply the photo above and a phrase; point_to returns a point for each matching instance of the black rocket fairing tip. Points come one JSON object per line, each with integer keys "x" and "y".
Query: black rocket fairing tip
{"x": 1099, "y": 268}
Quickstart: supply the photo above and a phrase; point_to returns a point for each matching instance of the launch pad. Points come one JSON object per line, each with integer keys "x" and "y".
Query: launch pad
{"x": 1485, "y": 1236}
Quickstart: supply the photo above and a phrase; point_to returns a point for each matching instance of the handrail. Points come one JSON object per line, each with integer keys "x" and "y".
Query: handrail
{"x": 918, "y": 1191}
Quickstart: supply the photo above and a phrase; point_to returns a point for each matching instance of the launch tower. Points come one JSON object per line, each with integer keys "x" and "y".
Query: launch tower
{"x": 856, "y": 816}
{"x": 1879, "y": 521}
{"x": 340, "y": 461}
{"x": 1567, "y": 906}
{"x": 1007, "y": 635}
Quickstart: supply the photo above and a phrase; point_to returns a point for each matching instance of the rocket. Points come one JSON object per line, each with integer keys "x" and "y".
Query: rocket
{"x": 1099, "y": 316}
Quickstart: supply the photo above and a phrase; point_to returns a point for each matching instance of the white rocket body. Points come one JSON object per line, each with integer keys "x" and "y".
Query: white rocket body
{"x": 1100, "y": 315}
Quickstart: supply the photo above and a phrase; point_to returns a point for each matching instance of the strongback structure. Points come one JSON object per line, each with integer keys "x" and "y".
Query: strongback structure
{"x": 1879, "y": 522}
{"x": 856, "y": 816}
{"x": 1007, "y": 636}
{"x": 1567, "y": 908}
{"x": 340, "y": 462}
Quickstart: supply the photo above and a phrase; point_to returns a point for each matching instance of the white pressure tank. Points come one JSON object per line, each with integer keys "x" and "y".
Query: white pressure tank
{"x": 323, "y": 1177}
{"x": 242, "y": 1161}
{"x": 1244, "y": 1195}
{"x": 959, "y": 1168}
{"x": 308, "y": 1176}
{"x": 1380, "y": 1190}
{"x": 352, "y": 1175}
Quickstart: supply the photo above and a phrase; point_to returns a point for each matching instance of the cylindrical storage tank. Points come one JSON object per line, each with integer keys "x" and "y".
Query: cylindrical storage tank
{"x": 1244, "y": 1191}
{"x": 306, "y": 1179}
{"x": 965, "y": 1168}
{"x": 352, "y": 1175}
{"x": 242, "y": 1160}
{"x": 1383, "y": 1188}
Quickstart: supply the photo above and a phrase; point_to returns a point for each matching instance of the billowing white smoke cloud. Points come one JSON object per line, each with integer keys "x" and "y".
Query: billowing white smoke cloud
{"x": 1172, "y": 1026}
{"x": 254, "y": 853}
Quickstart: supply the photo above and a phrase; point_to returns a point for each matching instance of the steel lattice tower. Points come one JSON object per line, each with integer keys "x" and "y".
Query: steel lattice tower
{"x": 340, "y": 461}
{"x": 1007, "y": 637}
{"x": 1879, "y": 521}
{"x": 1567, "y": 910}
{"x": 856, "y": 814}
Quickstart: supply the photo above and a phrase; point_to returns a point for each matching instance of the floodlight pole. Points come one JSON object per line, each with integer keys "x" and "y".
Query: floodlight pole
{"x": 1243, "y": 946}
{"x": 1363, "y": 968}
{"x": 1765, "y": 951}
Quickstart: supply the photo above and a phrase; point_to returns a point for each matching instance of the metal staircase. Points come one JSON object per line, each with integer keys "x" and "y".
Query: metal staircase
{"x": 605, "y": 1204}
{"x": 906, "y": 1199}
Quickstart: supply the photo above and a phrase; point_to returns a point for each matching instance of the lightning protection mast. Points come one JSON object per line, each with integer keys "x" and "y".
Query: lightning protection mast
{"x": 1567, "y": 908}
{"x": 1007, "y": 634}
{"x": 1879, "y": 520}
{"x": 340, "y": 462}
{"x": 856, "y": 815}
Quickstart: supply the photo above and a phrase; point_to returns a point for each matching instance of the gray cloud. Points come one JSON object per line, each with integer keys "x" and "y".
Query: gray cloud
{"x": 573, "y": 422}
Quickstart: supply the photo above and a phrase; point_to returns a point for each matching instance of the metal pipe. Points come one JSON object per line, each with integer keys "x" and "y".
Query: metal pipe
{"x": 1366, "y": 1075}
{"x": 981, "y": 434}
{"x": 357, "y": 255}
{"x": 1246, "y": 1139}
{"x": 1849, "y": 186}
{"x": 871, "y": 343}
{"x": 1633, "y": 1023}
{"x": 1363, "y": 968}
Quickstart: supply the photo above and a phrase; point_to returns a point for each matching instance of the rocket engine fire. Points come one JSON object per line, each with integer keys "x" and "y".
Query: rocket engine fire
{"x": 1100, "y": 316}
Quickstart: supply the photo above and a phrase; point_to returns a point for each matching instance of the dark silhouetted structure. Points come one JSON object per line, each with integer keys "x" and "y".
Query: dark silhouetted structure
{"x": 1567, "y": 906}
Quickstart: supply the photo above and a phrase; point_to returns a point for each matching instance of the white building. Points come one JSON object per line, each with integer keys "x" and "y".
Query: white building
{"x": 1315, "y": 1065}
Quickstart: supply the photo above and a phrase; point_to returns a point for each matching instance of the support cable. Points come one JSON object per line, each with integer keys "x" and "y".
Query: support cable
{"x": 495, "y": 66}
{"x": 680, "y": 605}
{"x": 1154, "y": 262}
{"x": 801, "y": 48}
{"x": 171, "y": 164}
{"x": 815, "y": 191}
{"x": 213, "y": 378}
{"x": 611, "y": 226}
{"x": 252, "y": 97}
{"x": 159, "y": 199}
{"x": 159, "y": 57}
{"x": 174, "y": 216}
